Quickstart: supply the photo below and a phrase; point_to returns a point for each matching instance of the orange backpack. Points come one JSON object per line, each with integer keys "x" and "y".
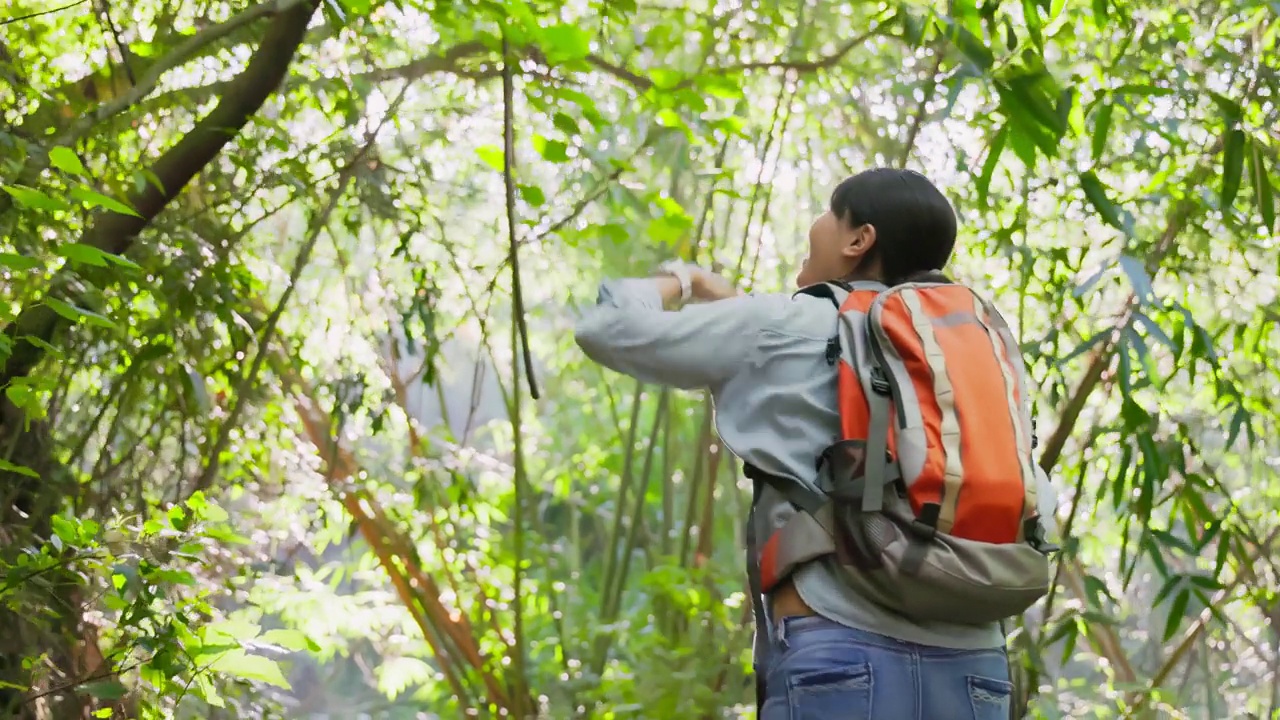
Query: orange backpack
{"x": 928, "y": 501}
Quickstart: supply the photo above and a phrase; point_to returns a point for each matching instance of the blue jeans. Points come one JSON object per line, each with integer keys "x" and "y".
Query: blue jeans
{"x": 822, "y": 670}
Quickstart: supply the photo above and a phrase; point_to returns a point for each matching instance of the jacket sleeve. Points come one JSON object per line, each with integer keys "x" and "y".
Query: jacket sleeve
{"x": 699, "y": 346}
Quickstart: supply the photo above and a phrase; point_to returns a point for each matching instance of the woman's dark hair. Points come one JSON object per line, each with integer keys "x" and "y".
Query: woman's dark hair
{"x": 915, "y": 224}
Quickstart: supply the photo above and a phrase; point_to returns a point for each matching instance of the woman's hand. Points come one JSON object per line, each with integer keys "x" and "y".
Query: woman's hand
{"x": 709, "y": 287}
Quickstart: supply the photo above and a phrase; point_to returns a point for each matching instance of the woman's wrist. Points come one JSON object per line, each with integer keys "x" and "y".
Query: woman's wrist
{"x": 670, "y": 289}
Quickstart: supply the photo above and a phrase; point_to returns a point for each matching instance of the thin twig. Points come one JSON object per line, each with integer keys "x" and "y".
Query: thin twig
{"x": 120, "y": 46}
{"x": 508, "y": 179}
{"x": 37, "y": 14}
{"x": 519, "y": 345}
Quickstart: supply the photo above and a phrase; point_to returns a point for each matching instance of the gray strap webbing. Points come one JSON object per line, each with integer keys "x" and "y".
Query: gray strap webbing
{"x": 877, "y": 449}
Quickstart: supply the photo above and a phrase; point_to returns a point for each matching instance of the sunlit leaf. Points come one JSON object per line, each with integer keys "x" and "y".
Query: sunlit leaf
{"x": 289, "y": 640}
{"x": 564, "y": 42}
{"x": 397, "y": 675}
{"x": 65, "y": 159}
{"x": 6, "y": 466}
{"x": 552, "y": 150}
{"x": 76, "y": 314}
{"x": 82, "y": 254}
{"x": 17, "y": 262}
{"x": 93, "y": 198}
{"x": 34, "y": 199}
{"x": 533, "y": 195}
{"x": 492, "y": 156}
{"x": 239, "y": 664}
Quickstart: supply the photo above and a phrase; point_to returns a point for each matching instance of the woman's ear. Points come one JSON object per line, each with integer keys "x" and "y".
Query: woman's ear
{"x": 859, "y": 241}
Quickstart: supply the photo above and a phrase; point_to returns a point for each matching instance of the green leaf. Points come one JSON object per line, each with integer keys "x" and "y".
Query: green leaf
{"x": 664, "y": 79}
{"x": 565, "y": 124}
{"x": 235, "y": 629}
{"x": 1138, "y": 278}
{"x": 721, "y": 86}
{"x": 357, "y": 7}
{"x": 398, "y": 674}
{"x": 615, "y": 232}
{"x": 66, "y": 160}
{"x": 34, "y": 199}
{"x": 81, "y": 253}
{"x": 1023, "y": 146}
{"x": 1100, "y": 13}
{"x": 64, "y": 529}
{"x": 669, "y": 118}
{"x": 1177, "y": 611}
{"x": 54, "y": 351}
{"x": 971, "y": 46}
{"x": 204, "y": 688}
{"x": 237, "y": 663}
{"x": 289, "y": 640}
{"x": 90, "y": 255}
{"x": 1231, "y": 110}
{"x": 106, "y": 689}
{"x": 533, "y": 195}
{"x": 93, "y": 198}
{"x": 1101, "y": 126}
{"x": 1096, "y": 193}
{"x": 1232, "y": 166}
{"x": 564, "y": 42}
{"x": 552, "y": 150}
{"x": 491, "y": 155}
{"x": 989, "y": 165}
{"x": 76, "y": 314}
{"x": 1031, "y": 15}
{"x": 1263, "y": 192}
{"x": 20, "y": 263}
{"x": 6, "y": 466}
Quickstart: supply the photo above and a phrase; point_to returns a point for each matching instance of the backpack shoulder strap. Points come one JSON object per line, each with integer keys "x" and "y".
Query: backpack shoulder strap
{"x": 837, "y": 291}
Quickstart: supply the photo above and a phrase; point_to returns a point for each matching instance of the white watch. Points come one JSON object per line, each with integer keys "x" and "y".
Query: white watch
{"x": 680, "y": 272}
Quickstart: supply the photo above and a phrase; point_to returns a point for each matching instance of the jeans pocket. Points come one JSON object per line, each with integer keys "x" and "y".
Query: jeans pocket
{"x": 842, "y": 692}
{"x": 989, "y": 697}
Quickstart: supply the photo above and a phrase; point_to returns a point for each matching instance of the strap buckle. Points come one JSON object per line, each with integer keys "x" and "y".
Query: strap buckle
{"x": 879, "y": 381}
{"x": 1034, "y": 532}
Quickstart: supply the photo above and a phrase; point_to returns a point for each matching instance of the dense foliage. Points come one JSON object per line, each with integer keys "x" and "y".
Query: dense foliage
{"x": 293, "y": 424}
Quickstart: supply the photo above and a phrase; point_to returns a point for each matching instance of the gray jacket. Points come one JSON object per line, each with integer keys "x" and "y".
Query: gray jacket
{"x": 763, "y": 359}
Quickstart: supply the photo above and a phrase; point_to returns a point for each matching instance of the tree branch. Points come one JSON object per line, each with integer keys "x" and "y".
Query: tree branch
{"x": 450, "y": 62}
{"x": 179, "y": 56}
{"x": 114, "y": 232}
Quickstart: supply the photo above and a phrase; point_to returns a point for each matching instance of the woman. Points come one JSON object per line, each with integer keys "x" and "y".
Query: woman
{"x": 821, "y": 650}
